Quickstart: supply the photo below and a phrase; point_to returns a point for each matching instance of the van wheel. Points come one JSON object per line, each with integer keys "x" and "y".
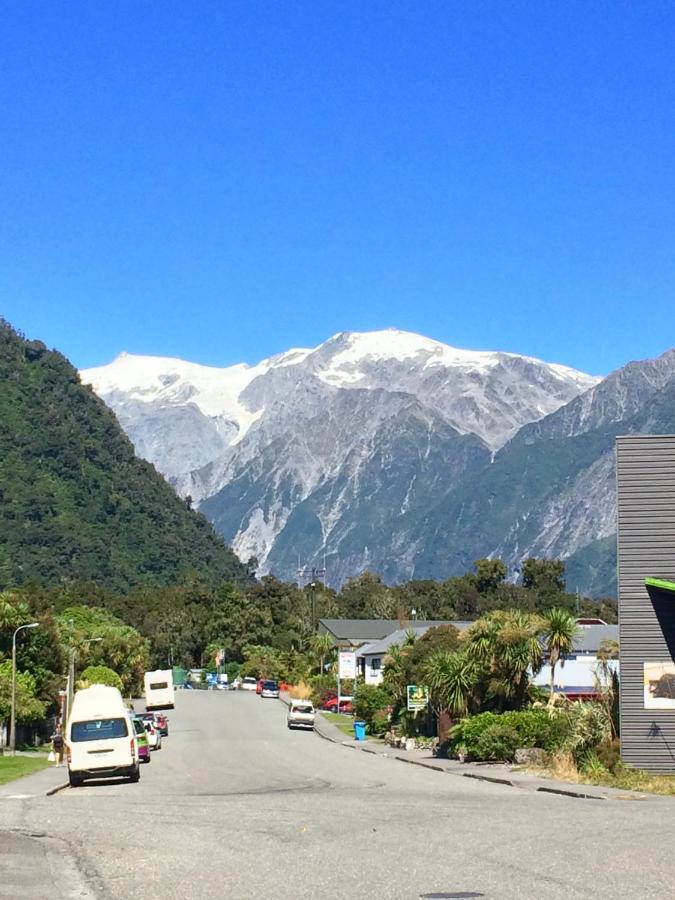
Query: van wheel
{"x": 135, "y": 775}
{"x": 74, "y": 780}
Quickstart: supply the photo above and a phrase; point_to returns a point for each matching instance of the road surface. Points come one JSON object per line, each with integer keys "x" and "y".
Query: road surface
{"x": 236, "y": 806}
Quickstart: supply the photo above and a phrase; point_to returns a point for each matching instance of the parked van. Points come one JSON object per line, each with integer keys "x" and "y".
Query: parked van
{"x": 100, "y": 739}
{"x": 159, "y": 689}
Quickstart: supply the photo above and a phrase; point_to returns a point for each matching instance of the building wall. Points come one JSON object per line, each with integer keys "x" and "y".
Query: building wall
{"x": 373, "y": 675}
{"x": 646, "y": 548}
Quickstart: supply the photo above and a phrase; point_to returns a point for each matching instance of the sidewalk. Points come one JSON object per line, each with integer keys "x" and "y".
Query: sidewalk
{"x": 46, "y": 781}
{"x": 496, "y": 773}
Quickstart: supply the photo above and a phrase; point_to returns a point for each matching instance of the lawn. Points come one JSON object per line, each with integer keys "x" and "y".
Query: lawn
{"x": 12, "y": 767}
{"x": 344, "y": 723}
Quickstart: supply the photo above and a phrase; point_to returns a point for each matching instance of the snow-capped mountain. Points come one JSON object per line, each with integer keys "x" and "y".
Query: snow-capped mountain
{"x": 319, "y": 451}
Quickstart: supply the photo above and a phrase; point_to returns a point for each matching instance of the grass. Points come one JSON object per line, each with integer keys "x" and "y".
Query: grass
{"x": 12, "y": 767}
{"x": 344, "y": 723}
{"x": 623, "y": 777}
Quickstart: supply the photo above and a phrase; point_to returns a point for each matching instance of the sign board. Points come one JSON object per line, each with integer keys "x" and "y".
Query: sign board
{"x": 659, "y": 685}
{"x": 346, "y": 664}
{"x": 418, "y": 697}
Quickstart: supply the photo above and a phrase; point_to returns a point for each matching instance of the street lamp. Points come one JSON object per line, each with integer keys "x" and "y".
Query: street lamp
{"x": 71, "y": 671}
{"x": 12, "y": 725}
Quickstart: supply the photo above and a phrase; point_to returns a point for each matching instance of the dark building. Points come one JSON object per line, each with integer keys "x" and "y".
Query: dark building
{"x": 646, "y": 562}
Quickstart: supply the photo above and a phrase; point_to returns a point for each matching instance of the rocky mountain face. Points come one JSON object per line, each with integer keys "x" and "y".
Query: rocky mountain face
{"x": 346, "y": 453}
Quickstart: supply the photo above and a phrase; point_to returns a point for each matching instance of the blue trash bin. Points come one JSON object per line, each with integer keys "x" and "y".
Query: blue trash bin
{"x": 360, "y": 731}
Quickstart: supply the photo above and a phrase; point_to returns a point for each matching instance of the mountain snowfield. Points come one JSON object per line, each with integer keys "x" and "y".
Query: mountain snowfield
{"x": 338, "y": 451}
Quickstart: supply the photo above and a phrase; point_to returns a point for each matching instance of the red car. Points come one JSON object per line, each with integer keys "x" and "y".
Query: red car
{"x": 331, "y": 705}
{"x": 258, "y": 687}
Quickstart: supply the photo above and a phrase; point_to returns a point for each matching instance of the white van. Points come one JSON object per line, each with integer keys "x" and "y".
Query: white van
{"x": 100, "y": 740}
{"x": 159, "y": 689}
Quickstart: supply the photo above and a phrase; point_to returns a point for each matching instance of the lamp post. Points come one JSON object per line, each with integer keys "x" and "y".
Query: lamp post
{"x": 12, "y": 725}
{"x": 71, "y": 670}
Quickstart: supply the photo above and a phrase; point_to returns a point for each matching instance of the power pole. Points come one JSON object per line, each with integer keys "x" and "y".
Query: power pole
{"x": 312, "y": 574}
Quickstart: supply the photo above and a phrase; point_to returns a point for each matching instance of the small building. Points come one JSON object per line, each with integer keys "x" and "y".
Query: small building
{"x": 576, "y": 674}
{"x": 371, "y": 657}
{"x": 353, "y": 633}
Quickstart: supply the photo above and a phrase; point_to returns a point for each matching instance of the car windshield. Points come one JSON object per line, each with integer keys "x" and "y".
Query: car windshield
{"x": 303, "y": 709}
{"x": 270, "y": 685}
{"x": 139, "y": 728}
{"x": 98, "y": 730}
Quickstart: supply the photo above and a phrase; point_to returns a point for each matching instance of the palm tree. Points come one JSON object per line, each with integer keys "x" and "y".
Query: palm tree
{"x": 559, "y": 631}
{"x": 452, "y": 678}
{"x": 322, "y": 645}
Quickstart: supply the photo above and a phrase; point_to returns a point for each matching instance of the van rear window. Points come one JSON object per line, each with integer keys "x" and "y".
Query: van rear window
{"x": 159, "y": 686}
{"x": 99, "y": 730}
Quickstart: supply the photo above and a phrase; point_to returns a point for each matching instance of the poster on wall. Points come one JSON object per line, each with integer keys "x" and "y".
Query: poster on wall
{"x": 659, "y": 685}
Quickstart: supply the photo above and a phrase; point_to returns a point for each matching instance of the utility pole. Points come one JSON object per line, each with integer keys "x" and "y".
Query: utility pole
{"x": 312, "y": 574}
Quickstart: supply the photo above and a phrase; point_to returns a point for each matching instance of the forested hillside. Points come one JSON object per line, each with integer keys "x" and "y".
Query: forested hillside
{"x": 75, "y": 501}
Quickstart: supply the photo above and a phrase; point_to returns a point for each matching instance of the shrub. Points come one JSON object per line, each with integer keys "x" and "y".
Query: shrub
{"x": 369, "y": 700}
{"x": 589, "y": 727}
{"x": 532, "y": 728}
{"x": 499, "y": 741}
{"x": 102, "y": 675}
{"x": 609, "y": 754}
{"x": 323, "y": 688}
{"x": 379, "y": 724}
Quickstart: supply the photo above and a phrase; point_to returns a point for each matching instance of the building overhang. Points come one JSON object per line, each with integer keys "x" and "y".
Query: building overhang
{"x": 661, "y": 584}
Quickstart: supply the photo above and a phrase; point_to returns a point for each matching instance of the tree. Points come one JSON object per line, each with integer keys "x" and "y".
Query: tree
{"x": 29, "y": 708}
{"x": 559, "y": 631}
{"x": 490, "y": 573}
{"x": 506, "y": 643}
{"x": 100, "y": 675}
{"x": 452, "y": 679}
{"x": 544, "y": 575}
{"x": 322, "y": 646}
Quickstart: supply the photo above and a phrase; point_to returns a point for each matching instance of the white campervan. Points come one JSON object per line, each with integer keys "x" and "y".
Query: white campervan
{"x": 159, "y": 689}
{"x": 100, "y": 739}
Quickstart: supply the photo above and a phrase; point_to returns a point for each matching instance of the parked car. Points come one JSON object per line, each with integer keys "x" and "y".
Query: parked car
{"x": 158, "y": 720}
{"x": 249, "y": 684}
{"x": 141, "y": 739}
{"x": 236, "y": 684}
{"x": 300, "y": 714}
{"x": 269, "y": 689}
{"x": 259, "y": 684}
{"x": 331, "y": 705}
{"x": 100, "y": 740}
{"x": 153, "y": 735}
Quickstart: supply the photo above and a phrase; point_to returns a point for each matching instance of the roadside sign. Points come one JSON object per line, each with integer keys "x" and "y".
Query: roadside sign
{"x": 346, "y": 664}
{"x": 418, "y": 697}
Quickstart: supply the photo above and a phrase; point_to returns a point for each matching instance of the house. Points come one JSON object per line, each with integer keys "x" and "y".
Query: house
{"x": 371, "y": 656}
{"x": 353, "y": 633}
{"x": 576, "y": 674}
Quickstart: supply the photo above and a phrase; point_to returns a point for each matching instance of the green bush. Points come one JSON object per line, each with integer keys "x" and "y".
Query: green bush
{"x": 323, "y": 688}
{"x": 531, "y": 727}
{"x": 102, "y": 675}
{"x": 370, "y": 700}
{"x": 499, "y": 742}
{"x": 379, "y": 723}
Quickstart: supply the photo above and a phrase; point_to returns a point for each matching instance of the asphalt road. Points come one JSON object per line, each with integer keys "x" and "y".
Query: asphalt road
{"x": 237, "y": 806}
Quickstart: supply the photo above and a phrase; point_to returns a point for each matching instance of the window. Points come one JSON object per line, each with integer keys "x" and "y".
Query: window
{"x": 159, "y": 686}
{"x": 98, "y": 730}
{"x": 375, "y": 664}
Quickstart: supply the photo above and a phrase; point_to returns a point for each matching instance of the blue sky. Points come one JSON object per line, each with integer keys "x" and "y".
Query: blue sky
{"x": 221, "y": 181}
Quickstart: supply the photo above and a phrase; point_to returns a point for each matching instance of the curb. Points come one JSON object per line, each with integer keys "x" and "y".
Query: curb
{"x": 564, "y": 793}
{"x": 490, "y": 778}
{"x": 55, "y": 790}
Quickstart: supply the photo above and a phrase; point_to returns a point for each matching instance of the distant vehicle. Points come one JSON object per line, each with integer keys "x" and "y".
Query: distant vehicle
{"x": 141, "y": 739}
{"x": 300, "y": 714}
{"x": 100, "y": 739}
{"x": 259, "y": 684}
{"x": 331, "y": 705}
{"x": 153, "y": 735}
{"x": 249, "y": 684}
{"x": 159, "y": 689}
{"x": 236, "y": 684}
{"x": 269, "y": 689}
{"x": 159, "y": 720}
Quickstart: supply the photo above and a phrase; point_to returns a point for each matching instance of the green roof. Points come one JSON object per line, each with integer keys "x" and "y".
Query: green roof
{"x": 661, "y": 584}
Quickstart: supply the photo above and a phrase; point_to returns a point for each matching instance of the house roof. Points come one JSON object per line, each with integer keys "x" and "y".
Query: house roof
{"x": 376, "y": 648}
{"x": 590, "y": 637}
{"x": 362, "y": 631}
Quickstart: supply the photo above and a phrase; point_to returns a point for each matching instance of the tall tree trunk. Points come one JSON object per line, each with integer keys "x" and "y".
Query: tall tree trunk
{"x": 551, "y": 698}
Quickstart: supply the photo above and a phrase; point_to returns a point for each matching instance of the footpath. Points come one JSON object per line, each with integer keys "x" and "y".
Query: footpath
{"x": 496, "y": 773}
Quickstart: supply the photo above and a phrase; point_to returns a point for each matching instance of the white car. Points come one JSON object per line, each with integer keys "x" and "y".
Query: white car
{"x": 249, "y": 684}
{"x": 300, "y": 714}
{"x": 154, "y": 737}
